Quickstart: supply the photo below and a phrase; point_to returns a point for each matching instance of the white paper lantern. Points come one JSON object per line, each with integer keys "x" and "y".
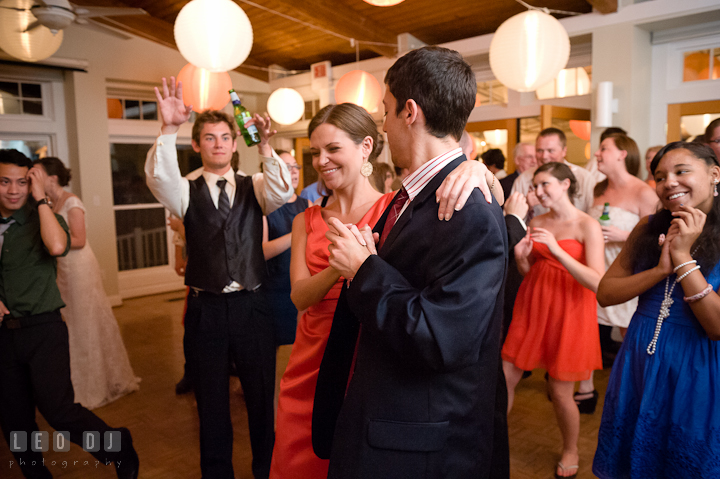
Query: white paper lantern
{"x": 213, "y": 34}
{"x": 361, "y": 88}
{"x": 286, "y": 106}
{"x": 528, "y": 50}
{"x": 35, "y": 45}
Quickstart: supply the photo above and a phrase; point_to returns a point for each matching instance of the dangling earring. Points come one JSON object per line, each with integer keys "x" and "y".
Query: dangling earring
{"x": 715, "y": 192}
{"x": 367, "y": 168}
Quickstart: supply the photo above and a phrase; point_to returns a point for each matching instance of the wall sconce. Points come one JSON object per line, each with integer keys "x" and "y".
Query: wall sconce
{"x": 605, "y": 105}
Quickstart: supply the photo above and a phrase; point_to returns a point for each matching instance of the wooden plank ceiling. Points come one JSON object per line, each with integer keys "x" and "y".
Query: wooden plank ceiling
{"x": 294, "y": 46}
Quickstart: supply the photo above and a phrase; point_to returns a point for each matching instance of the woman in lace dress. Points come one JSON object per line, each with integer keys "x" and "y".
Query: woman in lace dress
{"x": 661, "y": 418}
{"x": 99, "y": 364}
{"x": 630, "y": 198}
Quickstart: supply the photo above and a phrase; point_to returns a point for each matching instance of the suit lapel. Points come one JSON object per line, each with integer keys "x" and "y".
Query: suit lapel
{"x": 417, "y": 202}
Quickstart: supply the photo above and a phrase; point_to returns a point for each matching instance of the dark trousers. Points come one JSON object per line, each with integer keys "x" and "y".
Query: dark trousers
{"x": 35, "y": 371}
{"x": 236, "y": 326}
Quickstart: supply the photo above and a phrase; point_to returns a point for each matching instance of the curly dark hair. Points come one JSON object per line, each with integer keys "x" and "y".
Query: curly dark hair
{"x": 645, "y": 249}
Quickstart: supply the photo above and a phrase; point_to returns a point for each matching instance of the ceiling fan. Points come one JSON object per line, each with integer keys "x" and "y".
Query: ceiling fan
{"x": 59, "y": 14}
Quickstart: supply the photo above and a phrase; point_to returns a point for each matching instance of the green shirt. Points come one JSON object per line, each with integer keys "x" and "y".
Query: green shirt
{"x": 27, "y": 270}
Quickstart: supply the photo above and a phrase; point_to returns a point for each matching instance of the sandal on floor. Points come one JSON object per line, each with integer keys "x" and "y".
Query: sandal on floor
{"x": 586, "y": 406}
{"x": 561, "y": 466}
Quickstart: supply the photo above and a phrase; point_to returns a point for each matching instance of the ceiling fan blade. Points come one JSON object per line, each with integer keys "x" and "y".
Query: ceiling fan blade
{"x": 32, "y": 26}
{"x": 89, "y": 12}
{"x": 93, "y": 25}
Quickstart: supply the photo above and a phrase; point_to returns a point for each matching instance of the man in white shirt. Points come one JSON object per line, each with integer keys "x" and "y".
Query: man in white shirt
{"x": 551, "y": 145}
{"x": 227, "y": 315}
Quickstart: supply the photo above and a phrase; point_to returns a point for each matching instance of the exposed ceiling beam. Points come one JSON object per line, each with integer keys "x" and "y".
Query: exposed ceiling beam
{"x": 604, "y": 6}
{"x": 340, "y": 19}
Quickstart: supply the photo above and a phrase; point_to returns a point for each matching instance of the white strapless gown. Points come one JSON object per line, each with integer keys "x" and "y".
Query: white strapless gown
{"x": 620, "y": 314}
{"x": 99, "y": 364}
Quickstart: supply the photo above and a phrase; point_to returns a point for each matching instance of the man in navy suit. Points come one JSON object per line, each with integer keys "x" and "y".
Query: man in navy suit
{"x": 427, "y": 305}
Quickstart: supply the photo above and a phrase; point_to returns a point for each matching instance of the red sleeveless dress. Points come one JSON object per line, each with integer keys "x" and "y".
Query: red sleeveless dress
{"x": 554, "y": 324}
{"x": 293, "y": 456}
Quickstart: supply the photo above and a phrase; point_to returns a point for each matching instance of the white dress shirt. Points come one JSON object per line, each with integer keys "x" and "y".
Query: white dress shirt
{"x": 163, "y": 177}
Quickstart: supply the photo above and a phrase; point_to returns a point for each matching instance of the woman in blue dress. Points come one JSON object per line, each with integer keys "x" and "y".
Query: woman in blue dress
{"x": 277, "y": 230}
{"x": 662, "y": 407}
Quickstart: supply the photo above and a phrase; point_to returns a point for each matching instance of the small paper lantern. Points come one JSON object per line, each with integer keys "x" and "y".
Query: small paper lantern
{"x": 581, "y": 129}
{"x": 528, "y": 50}
{"x": 213, "y": 34}
{"x": 35, "y": 45}
{"x": 286, "y": 106}
{"x": 204, "y": 90}
{"x": 384, "y": 3}
{"x": 359, "y": 87}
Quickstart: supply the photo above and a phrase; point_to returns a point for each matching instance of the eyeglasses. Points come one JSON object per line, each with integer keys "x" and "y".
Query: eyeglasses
{"x": 293, "y": 167}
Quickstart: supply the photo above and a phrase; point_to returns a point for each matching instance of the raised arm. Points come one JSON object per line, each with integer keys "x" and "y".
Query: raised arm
{"x": 55, "y": 238}
{"x": 306, "y": 290}
{"x": 162, "y": 172}
{"x": 273, "y": 186}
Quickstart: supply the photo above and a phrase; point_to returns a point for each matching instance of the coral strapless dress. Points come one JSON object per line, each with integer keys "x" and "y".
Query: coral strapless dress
{"x": 293, "y": 456}
{"x": 554, "y": 323}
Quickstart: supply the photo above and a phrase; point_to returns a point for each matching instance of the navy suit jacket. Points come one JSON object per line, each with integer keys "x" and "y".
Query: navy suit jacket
{"x": 422, "y": 397}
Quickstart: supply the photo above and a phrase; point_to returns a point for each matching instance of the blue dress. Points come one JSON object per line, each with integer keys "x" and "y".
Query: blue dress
{"x": 662, "y": 412}
{"x": 277, "y": 284}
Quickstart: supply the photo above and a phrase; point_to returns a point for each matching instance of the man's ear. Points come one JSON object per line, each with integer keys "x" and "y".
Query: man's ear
{"x": 195, "y": 146}
{"x": 411, "y": 112}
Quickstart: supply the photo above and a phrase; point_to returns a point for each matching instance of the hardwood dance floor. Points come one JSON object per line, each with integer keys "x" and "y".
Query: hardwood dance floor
{"x": 165, "y": 426}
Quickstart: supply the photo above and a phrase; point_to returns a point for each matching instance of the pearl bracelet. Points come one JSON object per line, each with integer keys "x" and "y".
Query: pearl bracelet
{"x": 700, "y": 295}
{"x": 676, "y": 268}
{"x": 682, "y": 276}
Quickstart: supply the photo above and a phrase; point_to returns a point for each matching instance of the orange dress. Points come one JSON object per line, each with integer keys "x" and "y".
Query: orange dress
{"x": 293, "y": 456}
{"x": 554, "y": 324}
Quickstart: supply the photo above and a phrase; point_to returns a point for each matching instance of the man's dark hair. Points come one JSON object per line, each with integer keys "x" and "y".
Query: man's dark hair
{"x": 494, "y": 157}
{"x": 710, "y": 130}
{"x": 213, "y": 117}
{"x": 440, "y": 82}
{"x": 554, "y": 131}
{"x": 14, "y": 157}
{"x": 613, "y": 130}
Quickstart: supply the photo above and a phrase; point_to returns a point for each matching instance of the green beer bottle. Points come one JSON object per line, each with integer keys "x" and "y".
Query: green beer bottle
{"x": 605, "y": 218}
{"x": 242, "y": 116}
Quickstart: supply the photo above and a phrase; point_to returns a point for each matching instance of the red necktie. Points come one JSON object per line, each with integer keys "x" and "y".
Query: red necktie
{"x": 397, "y": 206}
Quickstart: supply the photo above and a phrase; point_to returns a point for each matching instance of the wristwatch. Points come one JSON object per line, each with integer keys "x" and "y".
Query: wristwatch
{"x": 43, "y": 201}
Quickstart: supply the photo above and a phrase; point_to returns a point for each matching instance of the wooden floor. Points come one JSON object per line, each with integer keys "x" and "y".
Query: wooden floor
{"x": 165, "y": 426}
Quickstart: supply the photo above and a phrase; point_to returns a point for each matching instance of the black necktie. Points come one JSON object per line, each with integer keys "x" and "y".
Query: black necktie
{"x": 223, "y": 201}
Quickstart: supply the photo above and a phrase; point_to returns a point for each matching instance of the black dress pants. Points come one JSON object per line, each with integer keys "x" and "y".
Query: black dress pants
{"x": 236, "y": 326}
{"x": 35, "y": 371}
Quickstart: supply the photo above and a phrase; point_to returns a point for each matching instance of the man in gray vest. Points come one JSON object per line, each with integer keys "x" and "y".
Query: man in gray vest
{"x": 227, "y": 315}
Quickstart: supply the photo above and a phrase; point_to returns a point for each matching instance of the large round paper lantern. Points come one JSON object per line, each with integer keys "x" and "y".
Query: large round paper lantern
{"x": 285, "y": 106}
{"x": 528, "y": 50}
{"x": 204, "y": 90}
{"x": 359, "y": 87}
{"x": 35, "y": 45}
{"x": 581, "y": 129}
{"x": 384, "y": 3}
{"x": 213, "y": 34}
